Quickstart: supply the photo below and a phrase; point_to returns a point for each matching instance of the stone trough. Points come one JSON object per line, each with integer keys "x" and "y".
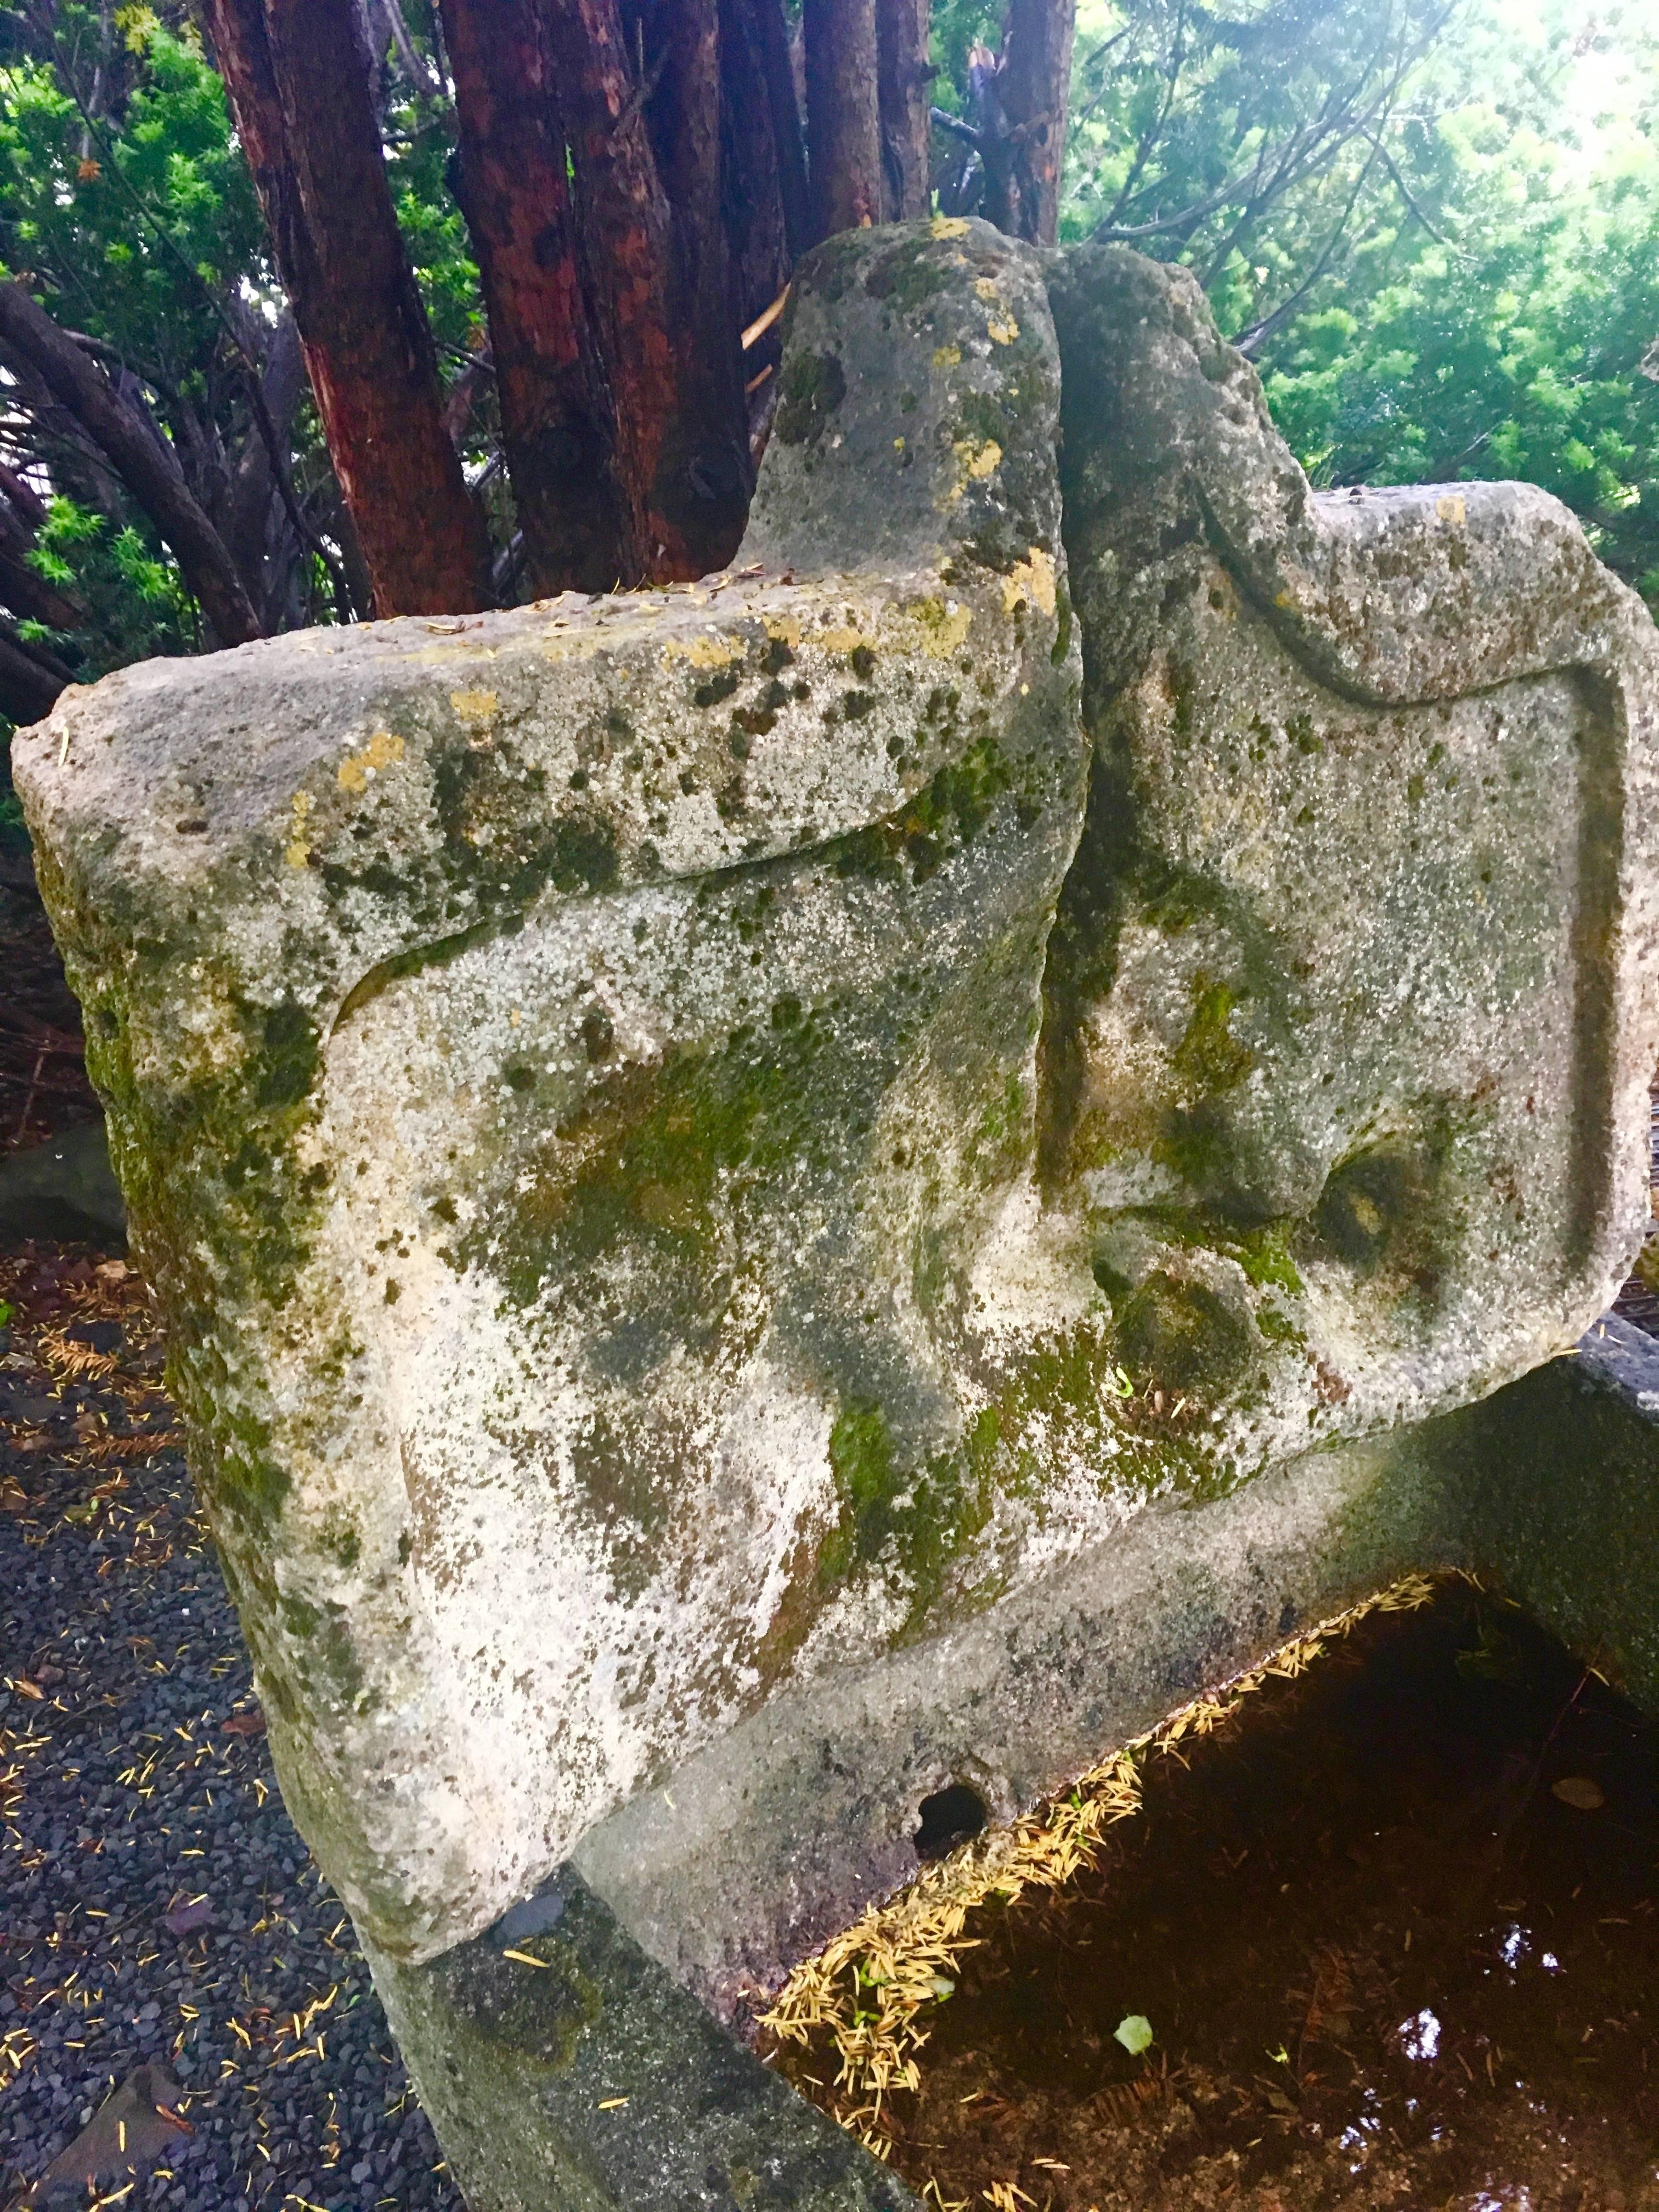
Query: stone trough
{"x": 781, "y": 1196}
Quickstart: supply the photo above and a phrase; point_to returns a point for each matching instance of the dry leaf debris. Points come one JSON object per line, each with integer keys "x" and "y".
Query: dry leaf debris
{"x": 136, "y": 1790}
{"x": 871, "y": 1988}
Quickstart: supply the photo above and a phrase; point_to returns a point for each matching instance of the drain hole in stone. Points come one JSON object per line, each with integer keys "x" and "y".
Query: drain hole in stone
{"x": 949, "y": 1817}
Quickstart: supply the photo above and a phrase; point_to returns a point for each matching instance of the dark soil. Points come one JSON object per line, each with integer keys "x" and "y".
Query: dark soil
{"x": 1393, "y": 1928}
{"x": 157, "y": 1911}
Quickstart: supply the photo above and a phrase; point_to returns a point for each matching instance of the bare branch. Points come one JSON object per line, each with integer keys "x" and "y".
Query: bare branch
{"x": 130, "y": 446}
{"x": 424, "y": 79}
{"x": 954, "y": 127}
{"x": 1249, "y": 342}
{"x": 1406, "y": 194}
{"x": 1154, "y": 132}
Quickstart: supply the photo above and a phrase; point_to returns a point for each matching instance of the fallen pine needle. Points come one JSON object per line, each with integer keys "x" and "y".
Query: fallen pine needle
{"x": 871, "y": 1986}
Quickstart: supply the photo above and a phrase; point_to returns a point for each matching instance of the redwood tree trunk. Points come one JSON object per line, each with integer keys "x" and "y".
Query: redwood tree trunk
{"x": 1035, "y": 84}
{"x": 704, "y": 477}
{"x": 903, "y": 86}
{"x": 843, "y": 121}
{"x": 656, "y": 273}
{"x": 557, "y": 423}
{"x": 764, "y": 124}
{"x": 298, "y": 81}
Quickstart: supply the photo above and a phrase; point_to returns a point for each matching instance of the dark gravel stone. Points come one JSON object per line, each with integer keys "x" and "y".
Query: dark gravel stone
{"x": 124, "y": 1799}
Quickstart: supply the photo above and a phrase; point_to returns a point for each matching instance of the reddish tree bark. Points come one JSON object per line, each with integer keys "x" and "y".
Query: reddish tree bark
{"x": 843, "y": 120}
{"x": 704, "y": 478}
{"x": 298, "y": 81}
{"x": 903, "y": 87}
{"x": 657, "y": 273}
{"x": 765, "y": 127}
{"x": 557, "y": 423}
{"x": 1034, "y": 85}
{"x": 79, "y": 385}
{"x": 28, "y": 689}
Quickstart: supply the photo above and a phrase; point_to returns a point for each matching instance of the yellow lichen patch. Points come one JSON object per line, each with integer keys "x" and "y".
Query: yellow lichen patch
{"x": 1032, "y": 580}
{"x": 840, "y": 641}
{"x": 783, "y": 630}
{"x": 947, "y": 356}
{"x": 297, "y": 851}
{"x": 871, "y": 1986}
{"x": 1452, "y": 506}
{"x": 1003, "y": 331}
{"x": 950, "y": 225}
{"x": 475, "y": 706}
{"x": 384, "y": 747}
{"x": 944, "y": 624}
{"x": 985, "y": 287}
{"x": 979, "y": 460}
{"x": 705, "y": 652}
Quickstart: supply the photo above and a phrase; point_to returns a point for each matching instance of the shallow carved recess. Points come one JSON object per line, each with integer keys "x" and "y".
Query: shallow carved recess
{"x": 692, "y": 1142}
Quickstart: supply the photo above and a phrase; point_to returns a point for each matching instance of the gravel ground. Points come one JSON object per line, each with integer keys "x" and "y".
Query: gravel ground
{"x": 165, "y": 1939}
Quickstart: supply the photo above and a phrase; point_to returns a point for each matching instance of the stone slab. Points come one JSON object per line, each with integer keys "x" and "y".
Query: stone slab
{"x": 773, "y": 1195}
{"x": 561, "y": 1064}
{"x": 777, "y": 1837}
{"x": 592, "y": 2080}
{"x": 1560, "y": 1473}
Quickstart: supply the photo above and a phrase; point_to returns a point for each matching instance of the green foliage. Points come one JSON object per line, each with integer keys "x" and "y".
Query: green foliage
{"x": 141, "y": 606}
{"x": 1511, "y": 344}
{"x": 127, "y": 208}
{"x": 142, "y": 217}
{"x": 131, "y": 225}
{"x": 1462, "y": 281}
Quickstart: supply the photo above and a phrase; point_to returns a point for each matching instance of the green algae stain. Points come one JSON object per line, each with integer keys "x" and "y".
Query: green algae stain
{"x": 667, "y": 1156}
{"x": 923, "y": 1517}
{"x": 246, "y": 1474}
{"x": 1209, "y": 1059}
{"x": 531, "y": 2014}
{"x": 813, "y": 387}
{"x": 862, "y": 1460}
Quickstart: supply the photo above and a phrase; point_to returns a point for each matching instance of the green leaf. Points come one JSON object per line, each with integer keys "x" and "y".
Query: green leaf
{"x": 1135, "y": 2033}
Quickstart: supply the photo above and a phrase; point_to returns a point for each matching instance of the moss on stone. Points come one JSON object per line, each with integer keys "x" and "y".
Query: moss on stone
{"x": 1265, "y": 1256}
{"x": 650, "y": 1150}
{"x": 947, "y": 813}
{"x": 910, "y": 274}
{"x": 1209, "y": 1059}
{"x": 812, "y": 388}
{"x": 1184, "y": 1339}
{"x": 921, "y": 1518}
{"x": 531, "y": 2015}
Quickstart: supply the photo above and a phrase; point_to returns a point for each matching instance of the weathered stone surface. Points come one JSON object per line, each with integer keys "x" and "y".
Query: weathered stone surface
{"x": 695, "y": 1212}
{"x": 559, "y": 1066}
{"x": 590, "y": 2079}
{"x": 1351, "y": 1008}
